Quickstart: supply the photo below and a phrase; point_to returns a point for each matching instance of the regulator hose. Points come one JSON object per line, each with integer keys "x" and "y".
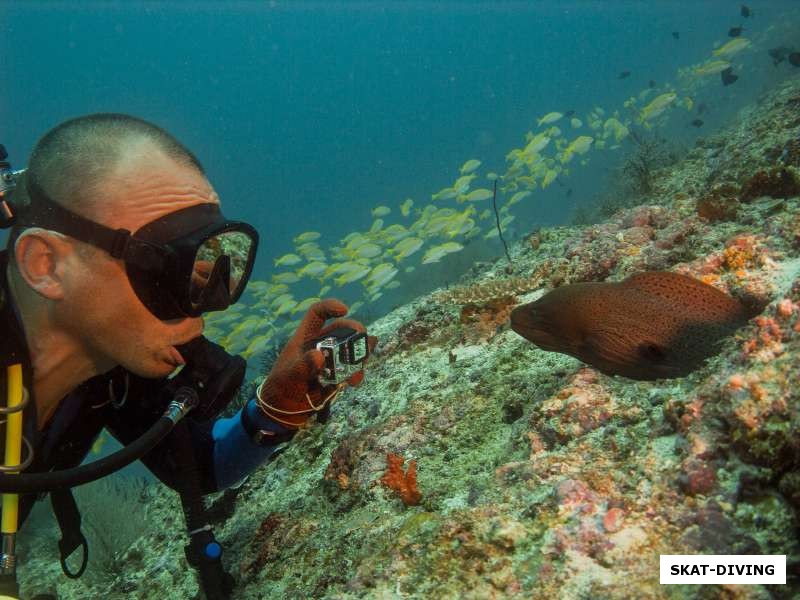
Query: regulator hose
{"x": 185, "y": 399}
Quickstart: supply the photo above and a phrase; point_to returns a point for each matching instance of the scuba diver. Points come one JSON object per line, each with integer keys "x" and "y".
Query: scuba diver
{"x": 117, "y": 248}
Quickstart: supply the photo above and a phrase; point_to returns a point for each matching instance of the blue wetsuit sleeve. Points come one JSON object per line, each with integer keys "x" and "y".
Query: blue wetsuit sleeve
{"x": 236, "y": 455}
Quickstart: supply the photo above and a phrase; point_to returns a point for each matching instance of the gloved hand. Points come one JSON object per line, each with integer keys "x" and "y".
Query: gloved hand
{"x": 292, "y": 392}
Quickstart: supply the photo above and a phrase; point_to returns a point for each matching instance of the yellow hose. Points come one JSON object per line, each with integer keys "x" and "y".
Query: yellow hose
{"x": 13, "y": 445}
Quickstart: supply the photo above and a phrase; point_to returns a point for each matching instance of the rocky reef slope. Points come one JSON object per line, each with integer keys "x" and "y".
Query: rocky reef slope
{"x": 535, "y": 475}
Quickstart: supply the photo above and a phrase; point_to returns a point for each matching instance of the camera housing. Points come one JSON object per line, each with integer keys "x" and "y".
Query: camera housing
{"x": 345, "y": 351}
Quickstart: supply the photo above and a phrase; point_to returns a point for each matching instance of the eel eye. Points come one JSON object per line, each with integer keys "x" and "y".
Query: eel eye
{"x": 652, "y": 352}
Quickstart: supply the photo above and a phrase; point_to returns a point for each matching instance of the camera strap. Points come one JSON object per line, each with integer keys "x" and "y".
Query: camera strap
{"x": 271, "y": 410}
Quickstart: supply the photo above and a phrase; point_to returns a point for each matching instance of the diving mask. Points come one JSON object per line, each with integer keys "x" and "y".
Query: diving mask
{"x": 183, "y": 264}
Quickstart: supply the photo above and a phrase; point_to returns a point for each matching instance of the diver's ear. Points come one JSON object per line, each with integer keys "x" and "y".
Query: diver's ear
{"x": 41, "y": 258}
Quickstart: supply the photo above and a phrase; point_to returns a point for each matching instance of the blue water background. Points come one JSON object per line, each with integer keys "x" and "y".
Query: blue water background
{"x": 306, "y": 115}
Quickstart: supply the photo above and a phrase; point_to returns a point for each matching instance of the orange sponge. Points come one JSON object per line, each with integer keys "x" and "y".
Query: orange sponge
{"x": 404, "y": 484}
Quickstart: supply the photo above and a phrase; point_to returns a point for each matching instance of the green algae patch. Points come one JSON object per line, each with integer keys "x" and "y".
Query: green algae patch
{"x": 423, "y": 523}
{"x": 766, "y": 520}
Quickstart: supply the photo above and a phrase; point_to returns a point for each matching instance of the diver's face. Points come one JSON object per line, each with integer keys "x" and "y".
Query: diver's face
{"x": 102, "y": 309}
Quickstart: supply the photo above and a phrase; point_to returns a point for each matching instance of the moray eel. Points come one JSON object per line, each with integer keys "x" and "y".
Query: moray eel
{"x": 652, "y": 325}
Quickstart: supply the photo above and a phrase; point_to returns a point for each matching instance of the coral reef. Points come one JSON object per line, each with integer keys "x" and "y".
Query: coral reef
{"x": 483, "y": 321}
{"x": 720, "y": 204}
{"x": 542, "y": 477}
{"x": 491, "y": 290}
{"x": 650, "y": 153}
{"x": 778, "y": 183}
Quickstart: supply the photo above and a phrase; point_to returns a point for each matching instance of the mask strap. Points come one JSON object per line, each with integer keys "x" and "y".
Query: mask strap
{"x": 119, "y": 243}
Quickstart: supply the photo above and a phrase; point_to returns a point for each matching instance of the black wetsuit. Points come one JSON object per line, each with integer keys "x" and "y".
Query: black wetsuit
{"x": 86, "y": 411}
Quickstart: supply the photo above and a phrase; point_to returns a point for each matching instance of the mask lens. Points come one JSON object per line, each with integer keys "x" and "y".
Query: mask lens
{"x": 236, "y": 247}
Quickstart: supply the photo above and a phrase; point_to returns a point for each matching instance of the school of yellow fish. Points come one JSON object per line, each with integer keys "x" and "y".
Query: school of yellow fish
{"x": 410, "y": 234}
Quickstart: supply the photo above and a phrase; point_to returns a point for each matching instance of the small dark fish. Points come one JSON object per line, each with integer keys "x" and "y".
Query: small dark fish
{"x": 569, "y": 192}
{"x": 624, "y": 75}
{"x": 569, "y": 113}
{"x": 728, "y": 77}
{"x": 746, "y": 12}
{"x": 779, "y": 54}
{"x": 697, "y": 123}
{"x": 735, "y": 31}
{"x": 794, "y": 59}
{"x": 651, "y": 83}
{"x": 676, "y": 34}
{"x": 701, "y": 108}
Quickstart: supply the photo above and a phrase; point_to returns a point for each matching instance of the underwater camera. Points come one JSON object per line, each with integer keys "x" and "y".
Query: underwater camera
{"x": 345, "y": 351}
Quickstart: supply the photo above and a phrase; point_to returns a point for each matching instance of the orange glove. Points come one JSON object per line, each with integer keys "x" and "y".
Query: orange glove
{"x": 292, "y": 393}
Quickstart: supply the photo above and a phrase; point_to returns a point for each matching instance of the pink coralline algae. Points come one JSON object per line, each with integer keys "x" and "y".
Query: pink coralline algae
{"x": 613, "y": 519}
{"x": 697, "y": 477}
{"x": 575, "y": 410}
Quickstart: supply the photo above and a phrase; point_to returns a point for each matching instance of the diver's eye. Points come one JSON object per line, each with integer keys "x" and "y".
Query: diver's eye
{"x": 652, "y": 352}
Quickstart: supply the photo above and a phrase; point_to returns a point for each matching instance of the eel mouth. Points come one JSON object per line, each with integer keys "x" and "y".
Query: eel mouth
{"x": 525, "y": 322}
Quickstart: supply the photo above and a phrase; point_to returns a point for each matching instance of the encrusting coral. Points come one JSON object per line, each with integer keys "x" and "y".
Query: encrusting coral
{"x": 486, "y": 291}
{"x": 777, "y": 183}
{"x": 483, "y": 321}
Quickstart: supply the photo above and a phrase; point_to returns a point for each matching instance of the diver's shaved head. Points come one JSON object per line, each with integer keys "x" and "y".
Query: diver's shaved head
{"x": 76, "y": 162}
{"x": 73, "y": 161}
